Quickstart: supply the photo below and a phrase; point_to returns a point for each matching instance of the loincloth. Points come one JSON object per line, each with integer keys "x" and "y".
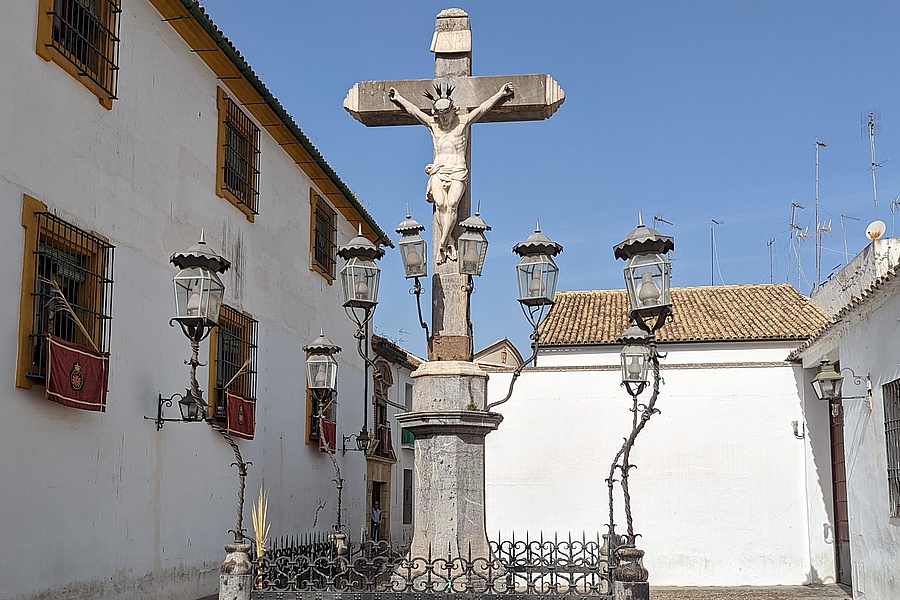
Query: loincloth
{"x": 447, "y": 174}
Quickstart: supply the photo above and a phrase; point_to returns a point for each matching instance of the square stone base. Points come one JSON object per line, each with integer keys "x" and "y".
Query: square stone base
{"x": 631, "y": 590}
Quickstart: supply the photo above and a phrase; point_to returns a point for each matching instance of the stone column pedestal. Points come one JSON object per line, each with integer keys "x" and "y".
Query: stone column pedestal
{"x": 236, "y": 575}
{"x": 449, "y": 423}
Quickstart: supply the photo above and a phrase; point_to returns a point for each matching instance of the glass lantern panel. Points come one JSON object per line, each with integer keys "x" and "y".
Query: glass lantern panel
{"x": 472, "y": 248}
{"x": 828, "y": 388}
{"x": 635, "y": 364}
{"x": 321, "y": 372}
{"x": 537, "y": 274}
{"x": 647, "y": 278}
{"x": 359, "y": 278}
{"x": 412, "y": 251}
{"x": 198, "y": 294}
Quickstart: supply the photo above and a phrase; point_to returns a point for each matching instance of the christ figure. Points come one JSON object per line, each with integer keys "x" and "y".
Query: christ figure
{"x": 448, "y": 173}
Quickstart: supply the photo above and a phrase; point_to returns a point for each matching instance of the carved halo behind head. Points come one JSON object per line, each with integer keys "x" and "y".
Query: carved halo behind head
{"x": 441, "y": 103}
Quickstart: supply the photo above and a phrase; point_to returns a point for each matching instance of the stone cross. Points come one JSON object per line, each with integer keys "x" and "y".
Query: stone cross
{"x": 487, "y": 99}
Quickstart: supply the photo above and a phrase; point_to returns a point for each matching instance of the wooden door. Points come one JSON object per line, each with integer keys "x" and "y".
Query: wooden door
{"x": 839, "y": 483}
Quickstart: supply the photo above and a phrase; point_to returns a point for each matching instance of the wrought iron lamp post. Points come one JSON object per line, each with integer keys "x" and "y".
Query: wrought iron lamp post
{"x": 321, "y": 379}
{"x": 359, "y": 280}
{"x": 647, "y": 282}
{"x": 198, "y": 299}
{"x": 537, "y": 274}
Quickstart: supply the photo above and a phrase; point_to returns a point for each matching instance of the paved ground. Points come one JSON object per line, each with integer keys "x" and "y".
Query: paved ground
{"x": 800, "y": 592}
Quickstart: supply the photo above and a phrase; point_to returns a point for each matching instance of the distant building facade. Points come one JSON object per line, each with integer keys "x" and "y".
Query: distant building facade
{"x": 732, "y": 485}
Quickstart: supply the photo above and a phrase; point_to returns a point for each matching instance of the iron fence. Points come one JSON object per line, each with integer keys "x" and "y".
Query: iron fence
{"x": 333, "y": 568}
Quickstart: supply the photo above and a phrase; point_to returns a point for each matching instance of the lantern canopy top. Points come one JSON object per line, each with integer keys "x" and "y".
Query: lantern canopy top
{"x": 361, "y": 247}
{"x": 634, "y": 335}
{"x": 643, "y": 240}
{"x": 409, "y": 226}
{"x": 322, "y": 345}
{"x": 475, "y": 223}
{"x": 202, "y": 256}
{"x": 537, "y": 243}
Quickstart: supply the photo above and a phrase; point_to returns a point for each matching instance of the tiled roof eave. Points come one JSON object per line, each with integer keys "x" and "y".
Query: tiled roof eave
{"x": 853, "y": 305}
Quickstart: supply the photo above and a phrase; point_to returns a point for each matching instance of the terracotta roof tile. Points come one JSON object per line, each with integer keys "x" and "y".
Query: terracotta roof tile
{"x": 720, "y": 313}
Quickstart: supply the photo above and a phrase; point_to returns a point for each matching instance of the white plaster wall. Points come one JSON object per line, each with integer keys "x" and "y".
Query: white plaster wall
{"x": 870, "y": 346}
{"x": 721, "y": 491}
{"x": 875, "y": 260}
{"x": 103, "y": 505}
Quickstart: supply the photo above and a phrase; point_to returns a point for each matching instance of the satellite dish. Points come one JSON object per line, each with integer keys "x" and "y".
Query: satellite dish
{"x": 875, "y": 230}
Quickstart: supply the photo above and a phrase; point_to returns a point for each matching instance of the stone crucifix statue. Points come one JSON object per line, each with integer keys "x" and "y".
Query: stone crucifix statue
{"x": 456, "y": 100}
{"x": 449, "y": 171}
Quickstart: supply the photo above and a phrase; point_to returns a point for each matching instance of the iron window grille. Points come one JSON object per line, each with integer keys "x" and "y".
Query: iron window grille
{"x": 85, "y": 32}
{"x": 891, "y": 393}
{"x": 313, "y": 416}
{"x": 240, "y": 160}
{"x": 236, "y": 343}
{"x": 81, "y": 265}
{"x": 324, "y": 237}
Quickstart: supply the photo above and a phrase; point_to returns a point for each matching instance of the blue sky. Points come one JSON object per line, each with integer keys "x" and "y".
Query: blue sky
{"x": 692, "y": 110}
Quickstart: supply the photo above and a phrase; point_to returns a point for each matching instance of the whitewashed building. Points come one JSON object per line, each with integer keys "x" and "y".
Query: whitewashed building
{"x": 390, "y": 461}
{"x": 732, "y": 485}
{"x": 863, "y": 425}
{"x": 128, "y": 128}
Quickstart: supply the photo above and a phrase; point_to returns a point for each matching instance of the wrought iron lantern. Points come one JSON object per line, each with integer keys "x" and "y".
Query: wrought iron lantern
{"x": 362, "y": 441}
{"x": 472, "y": 245}
{"x": 321, "y": 367}
{"x": 198, "y": 289}
{"x": 412, "y": 247}
{"x": 647, "y": 273}
{"x": 360, "y": 274}
{"x": 537, "y": 273}
{"x": 828, "y": 382}
{"x": 190, "y": 410}
{"x": 635, "y": 358}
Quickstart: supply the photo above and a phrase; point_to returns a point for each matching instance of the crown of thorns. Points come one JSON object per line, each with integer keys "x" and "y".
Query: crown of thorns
{"x": 443, "y": 93}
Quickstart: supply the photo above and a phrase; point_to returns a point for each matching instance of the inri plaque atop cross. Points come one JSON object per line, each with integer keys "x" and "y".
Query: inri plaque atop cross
{"x": 448, "y": 105}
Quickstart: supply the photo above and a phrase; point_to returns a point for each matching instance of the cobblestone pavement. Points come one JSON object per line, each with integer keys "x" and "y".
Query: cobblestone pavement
{"x": 786, "y": 592}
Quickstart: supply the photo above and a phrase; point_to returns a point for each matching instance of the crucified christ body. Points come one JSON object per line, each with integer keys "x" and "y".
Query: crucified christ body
{"x": 448, "y": 173}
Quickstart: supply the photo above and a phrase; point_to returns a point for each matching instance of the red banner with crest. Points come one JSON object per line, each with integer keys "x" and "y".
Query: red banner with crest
{"x": 240, "y": 415}
{"x": 77, "y": 376}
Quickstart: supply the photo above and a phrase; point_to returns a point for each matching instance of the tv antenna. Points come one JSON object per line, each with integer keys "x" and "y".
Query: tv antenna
{"x": 870, "y": 125}
{"x": 771, "y": 244}
{"x": 658, "y": 218}
{"x": 713, "y": 255}
{"x": 895, "y": 204}
{"x": 794, "y": 240}
{"x": 844, "y": 234}
{"x": 819, "y": 144}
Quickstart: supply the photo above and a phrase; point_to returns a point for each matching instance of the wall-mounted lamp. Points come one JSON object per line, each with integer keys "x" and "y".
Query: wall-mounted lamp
{"x": 362, "y": 441}
{"x": 190, "y": 410}
{"x": 828, "y": 384}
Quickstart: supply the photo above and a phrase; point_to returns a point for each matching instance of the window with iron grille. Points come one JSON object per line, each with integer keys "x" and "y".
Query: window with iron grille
{"x": 234, "y": 360}
{"x": 238, "y": 157}
{"x": 68, "y": 290}
{"x": 891, "y": 393}
{"x": 312, "y": 416}
{"x": 82, "y": 37}
{"x": 323, "y": 236}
